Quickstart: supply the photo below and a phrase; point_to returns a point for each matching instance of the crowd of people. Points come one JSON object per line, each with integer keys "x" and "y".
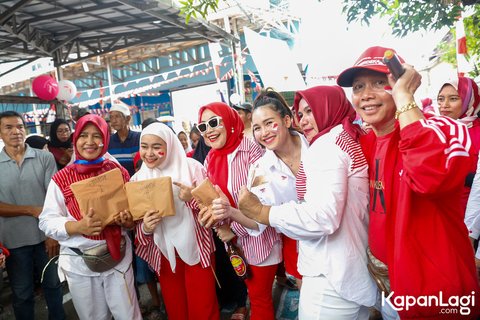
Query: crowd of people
{"x": 382, "y": 219}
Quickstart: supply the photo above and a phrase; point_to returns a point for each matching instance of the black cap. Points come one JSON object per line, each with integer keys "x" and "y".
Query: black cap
{"x": 243, "y": 106}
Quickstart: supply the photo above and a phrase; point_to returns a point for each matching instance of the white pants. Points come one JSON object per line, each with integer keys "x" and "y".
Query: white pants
{"x": 319, "y": 300}
{"x": 100, "y": 297}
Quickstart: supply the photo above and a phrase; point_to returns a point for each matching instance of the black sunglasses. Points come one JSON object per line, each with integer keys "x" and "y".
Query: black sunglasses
{"x": 212, "y": 123}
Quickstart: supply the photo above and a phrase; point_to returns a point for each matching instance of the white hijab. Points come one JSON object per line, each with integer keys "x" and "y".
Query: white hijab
{"x": 175, "y": 233}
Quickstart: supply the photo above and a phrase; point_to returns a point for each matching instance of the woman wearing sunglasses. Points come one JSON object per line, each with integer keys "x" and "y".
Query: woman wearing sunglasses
{"x": 332, "y": 223}
{"x": 227, "y": 167}
{"x": 273, "y": 179}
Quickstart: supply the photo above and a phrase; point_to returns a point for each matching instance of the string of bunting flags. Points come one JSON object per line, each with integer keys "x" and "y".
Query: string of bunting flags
{"x": 163, "y": 77}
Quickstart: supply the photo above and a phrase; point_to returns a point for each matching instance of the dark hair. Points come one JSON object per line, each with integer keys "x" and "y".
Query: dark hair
{"x": 178, "y": 134}
{"x": 11, "y": 114}
{"x": 194, "y": 130}
{"x": 201, "y": 151}
{"x": 37, "y": 142}
{"x": 274, "y": 100}
{"x": 148, "y": 122}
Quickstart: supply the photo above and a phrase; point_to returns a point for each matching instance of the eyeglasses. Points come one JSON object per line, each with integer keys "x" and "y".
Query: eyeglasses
{"x": 212, "y": 123}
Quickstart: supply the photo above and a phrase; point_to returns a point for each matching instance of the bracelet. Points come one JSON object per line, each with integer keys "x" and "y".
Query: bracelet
{"x": 408, "y": 106}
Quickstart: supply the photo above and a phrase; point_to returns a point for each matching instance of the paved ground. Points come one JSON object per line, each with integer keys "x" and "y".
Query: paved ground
{"x": 280, "y": 294}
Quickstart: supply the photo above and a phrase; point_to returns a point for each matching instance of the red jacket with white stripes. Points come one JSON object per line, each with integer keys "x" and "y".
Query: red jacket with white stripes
{"x": 428, "y": 250}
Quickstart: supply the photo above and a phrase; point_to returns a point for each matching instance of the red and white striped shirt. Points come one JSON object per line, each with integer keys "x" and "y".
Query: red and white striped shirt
{"x": 301, "y": 183}
{"x": 146, "y": 249}
{"x": 68, "y": 175}
{"x": 150, "y": 252}
{"x": 239, "y": 162}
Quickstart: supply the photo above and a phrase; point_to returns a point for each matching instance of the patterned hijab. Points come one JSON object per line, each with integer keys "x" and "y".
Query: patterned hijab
{"x": 330, "y": 107}
{"x": 468, "y": 91}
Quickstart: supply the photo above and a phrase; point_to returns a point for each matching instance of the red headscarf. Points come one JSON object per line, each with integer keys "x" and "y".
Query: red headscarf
{"x": 217, "y": 158}
{"x": 330, "y": 107}
{"x": 82, "y": 169}
{"x": 81, "y": 164}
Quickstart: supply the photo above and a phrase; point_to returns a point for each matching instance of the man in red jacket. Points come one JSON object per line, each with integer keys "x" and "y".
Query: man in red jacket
{"x": 417, "y": 168}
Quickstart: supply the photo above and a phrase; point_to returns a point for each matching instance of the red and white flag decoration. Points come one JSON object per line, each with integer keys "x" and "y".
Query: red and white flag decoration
{"x": 255, "y": 80}
{"x": 462, "y": 64}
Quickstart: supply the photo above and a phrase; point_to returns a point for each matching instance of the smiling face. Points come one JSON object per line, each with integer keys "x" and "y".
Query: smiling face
{"x": 182, "y": 136}
{"x": 449, "y": 102}
{"x": 269, "y": 129}
{"x": 215, "y": 137}
{"x": 90, "y": 142}
{"x": 307, "y": 121}
{"x": 153, "y": 150}
{"x": 374, "y": 105}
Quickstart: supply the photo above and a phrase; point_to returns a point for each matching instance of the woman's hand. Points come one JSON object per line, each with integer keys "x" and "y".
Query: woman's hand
{"x": 225, "y": 233}
{"x": 221, "y": 208}
{"x": 124, "y": 219}
{"x": 90, "y": 225}
{"x": 251, "y": 206}
{"x": 150, "y": 220}
{"x": 185, "y": 193}
{"x": 205, "y": 216}
{"x": 2, "y": 261}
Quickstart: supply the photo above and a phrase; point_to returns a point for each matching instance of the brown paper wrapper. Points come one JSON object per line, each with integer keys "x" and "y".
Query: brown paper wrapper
{"x": 205, "y": 193}
{"x": 156, "y": 194}
{"x": 259, "y": 180}
{"x": 104, "y": 193}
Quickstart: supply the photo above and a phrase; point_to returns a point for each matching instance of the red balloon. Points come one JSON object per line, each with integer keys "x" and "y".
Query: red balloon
{"x": 45, "y": 87}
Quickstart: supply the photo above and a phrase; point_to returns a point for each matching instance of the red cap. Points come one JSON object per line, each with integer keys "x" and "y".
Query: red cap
{"x": 371, "y": 59}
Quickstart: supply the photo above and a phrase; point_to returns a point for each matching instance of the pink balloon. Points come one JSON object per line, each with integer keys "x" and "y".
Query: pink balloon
{"x": 45, "y": 87}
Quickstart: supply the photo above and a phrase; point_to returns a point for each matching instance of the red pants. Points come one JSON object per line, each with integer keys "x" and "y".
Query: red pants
{"x": 189, "y": 293}
{"x": 259, "y": 287}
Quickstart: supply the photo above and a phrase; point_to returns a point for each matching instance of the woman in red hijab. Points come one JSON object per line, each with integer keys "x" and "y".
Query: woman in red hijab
{"x": 227, "y": 166}
{"x": 96, "y": 294}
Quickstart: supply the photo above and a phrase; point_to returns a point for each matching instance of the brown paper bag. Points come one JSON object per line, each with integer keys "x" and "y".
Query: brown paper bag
{"x": 104, "y": 193}
{"x": 259, "y": 180}
{"x": 150, "y": 194}
{"x": 205, "y": 193}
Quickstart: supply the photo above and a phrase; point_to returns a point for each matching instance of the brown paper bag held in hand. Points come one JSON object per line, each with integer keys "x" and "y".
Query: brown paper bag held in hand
{"x": 205, "y": 193}
{"x": 150, "y": 194}
{"x": 104, "y": 193}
